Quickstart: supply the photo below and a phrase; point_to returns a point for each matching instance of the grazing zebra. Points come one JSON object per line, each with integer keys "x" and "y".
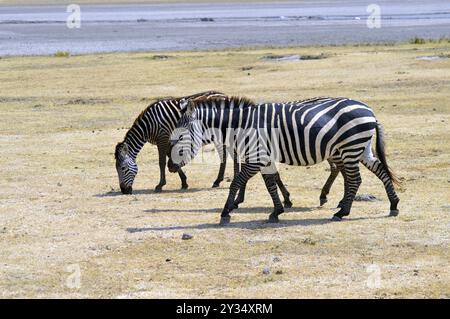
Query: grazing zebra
{"x": 339, "y": 130}
{"x": 154, "y": 125}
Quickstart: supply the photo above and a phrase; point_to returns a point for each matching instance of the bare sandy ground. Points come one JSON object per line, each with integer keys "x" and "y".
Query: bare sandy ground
{"x": 66, "y": 232}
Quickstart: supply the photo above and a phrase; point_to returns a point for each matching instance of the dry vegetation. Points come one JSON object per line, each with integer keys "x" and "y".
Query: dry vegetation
{"x": 59, "y": 204}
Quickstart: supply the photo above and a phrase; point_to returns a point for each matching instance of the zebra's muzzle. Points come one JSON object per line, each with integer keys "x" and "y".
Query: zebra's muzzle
{"x": 173, "y": 168}
{"x": 126, "y": 190}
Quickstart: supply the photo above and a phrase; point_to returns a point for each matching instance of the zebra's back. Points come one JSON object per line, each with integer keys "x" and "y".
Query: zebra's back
{"x": 311, "y": 131}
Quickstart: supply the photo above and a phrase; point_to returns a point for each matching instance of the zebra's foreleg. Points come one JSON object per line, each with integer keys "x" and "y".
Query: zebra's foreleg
{"x": 247, "y": 172}
{"x": 162, "y": 153}
{"x": 183, "y": 178}
{"x": 240, "y": 197}
{"x": 353, "y": 180}
{"x": 284, "y": 191}
{"x": 334, "y": 172}
{"x": 221, "y": 150}
{"x": 271, "y": 184}
{"x": 236, "y": 164}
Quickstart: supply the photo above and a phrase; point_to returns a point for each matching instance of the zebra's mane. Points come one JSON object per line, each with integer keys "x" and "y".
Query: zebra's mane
{"x": 148, "y": 108}
{"x": 227, "y": 102}
{"x": 156, "y": 102}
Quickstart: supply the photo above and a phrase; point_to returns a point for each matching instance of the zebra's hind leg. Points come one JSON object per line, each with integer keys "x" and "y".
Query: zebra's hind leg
{"x": 353, "y": 180}
{"x": 334, "y": 172}
{"x": 284, "y": 191}
{"x": 247, "y": 172}
{"x": 271, "y": 184}
{"x": 376, "y": 167}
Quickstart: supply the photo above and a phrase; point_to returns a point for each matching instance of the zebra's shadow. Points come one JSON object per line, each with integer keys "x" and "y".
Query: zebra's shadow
{"x": 254, "y": 224}
{"x": 241, "y": 210}
{"x": 152, "y": 192}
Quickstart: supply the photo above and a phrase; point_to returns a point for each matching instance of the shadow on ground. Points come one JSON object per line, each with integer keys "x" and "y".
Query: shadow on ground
{"x": 254, "y": 224}
{"x": 150, "y": 191}
{"x": 244, "y": 210}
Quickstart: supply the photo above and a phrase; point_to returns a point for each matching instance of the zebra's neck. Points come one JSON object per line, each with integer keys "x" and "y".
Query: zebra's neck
{"x": 154, "y": 124}
{"x": 135, "y": 142}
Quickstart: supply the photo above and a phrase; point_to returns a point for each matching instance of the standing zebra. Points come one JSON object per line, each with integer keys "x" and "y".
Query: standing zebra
{"x": 339, "y": 130}
{"x": 154, "y": 125}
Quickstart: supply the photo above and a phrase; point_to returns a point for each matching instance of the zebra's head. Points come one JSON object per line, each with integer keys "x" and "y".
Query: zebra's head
{"x": 126, "y": 168}
{"x": 186, "y": 139}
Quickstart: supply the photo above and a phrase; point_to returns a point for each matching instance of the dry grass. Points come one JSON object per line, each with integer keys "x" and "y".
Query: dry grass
{"x": 61, "y": 119}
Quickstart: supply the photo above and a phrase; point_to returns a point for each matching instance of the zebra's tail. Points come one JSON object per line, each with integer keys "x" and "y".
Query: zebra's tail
{"x": 381, "y": 154}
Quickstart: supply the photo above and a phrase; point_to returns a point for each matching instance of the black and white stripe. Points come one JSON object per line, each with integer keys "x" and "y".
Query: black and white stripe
{"x": 155, "y": 125}
{"x": 339, "y": 130}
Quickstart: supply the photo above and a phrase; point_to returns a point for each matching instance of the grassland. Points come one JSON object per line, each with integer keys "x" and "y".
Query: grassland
{"x": 60, "y": 208}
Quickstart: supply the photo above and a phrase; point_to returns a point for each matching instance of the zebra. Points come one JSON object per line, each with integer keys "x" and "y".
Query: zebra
{"x": 154, "y": 125}
{"x": 339, "y": 130}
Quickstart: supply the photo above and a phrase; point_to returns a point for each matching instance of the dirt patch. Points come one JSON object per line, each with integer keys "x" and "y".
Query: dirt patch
{"x": 293, "y": 57}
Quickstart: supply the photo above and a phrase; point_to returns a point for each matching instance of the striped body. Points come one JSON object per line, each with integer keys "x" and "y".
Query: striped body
{"x": 307, "y": 132}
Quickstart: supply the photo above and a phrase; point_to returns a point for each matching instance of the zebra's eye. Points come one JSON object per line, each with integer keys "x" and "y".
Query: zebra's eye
{"x": 123, "y": 168}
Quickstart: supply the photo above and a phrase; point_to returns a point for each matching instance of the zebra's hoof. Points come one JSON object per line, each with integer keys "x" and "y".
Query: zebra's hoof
{"x": 394, "y": 213}
{"x": 184, "y": 186}
{"x": 273, "y": 219}
{"x": 224, "y": 220}
{"x": 235, "y": 205}
{"x": 323, "y": 200}
{"x": 287, "y": 204}
{"x": 336, "y": 218}
{"x": 216, "y": 184}
{"x": 158, "y": 189}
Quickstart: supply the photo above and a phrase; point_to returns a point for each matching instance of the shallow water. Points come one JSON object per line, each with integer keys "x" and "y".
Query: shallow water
{"x": 110, "y": 28}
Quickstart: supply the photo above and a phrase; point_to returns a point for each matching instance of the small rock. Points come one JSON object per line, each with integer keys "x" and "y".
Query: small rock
{"x": 186, "y": 236}
{"x": 276, "y": 259}
{"x": 279, "y": 272}
{"x": 168, "y": 260}
{"x": 59, "y": 184}
{"x": 309, "y": 241}
{"x": 266, "y": 270}
{"x": 365, "y": 198}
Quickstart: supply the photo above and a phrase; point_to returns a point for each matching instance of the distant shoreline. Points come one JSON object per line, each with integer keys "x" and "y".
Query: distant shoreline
{"x": 42, "y": 30}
